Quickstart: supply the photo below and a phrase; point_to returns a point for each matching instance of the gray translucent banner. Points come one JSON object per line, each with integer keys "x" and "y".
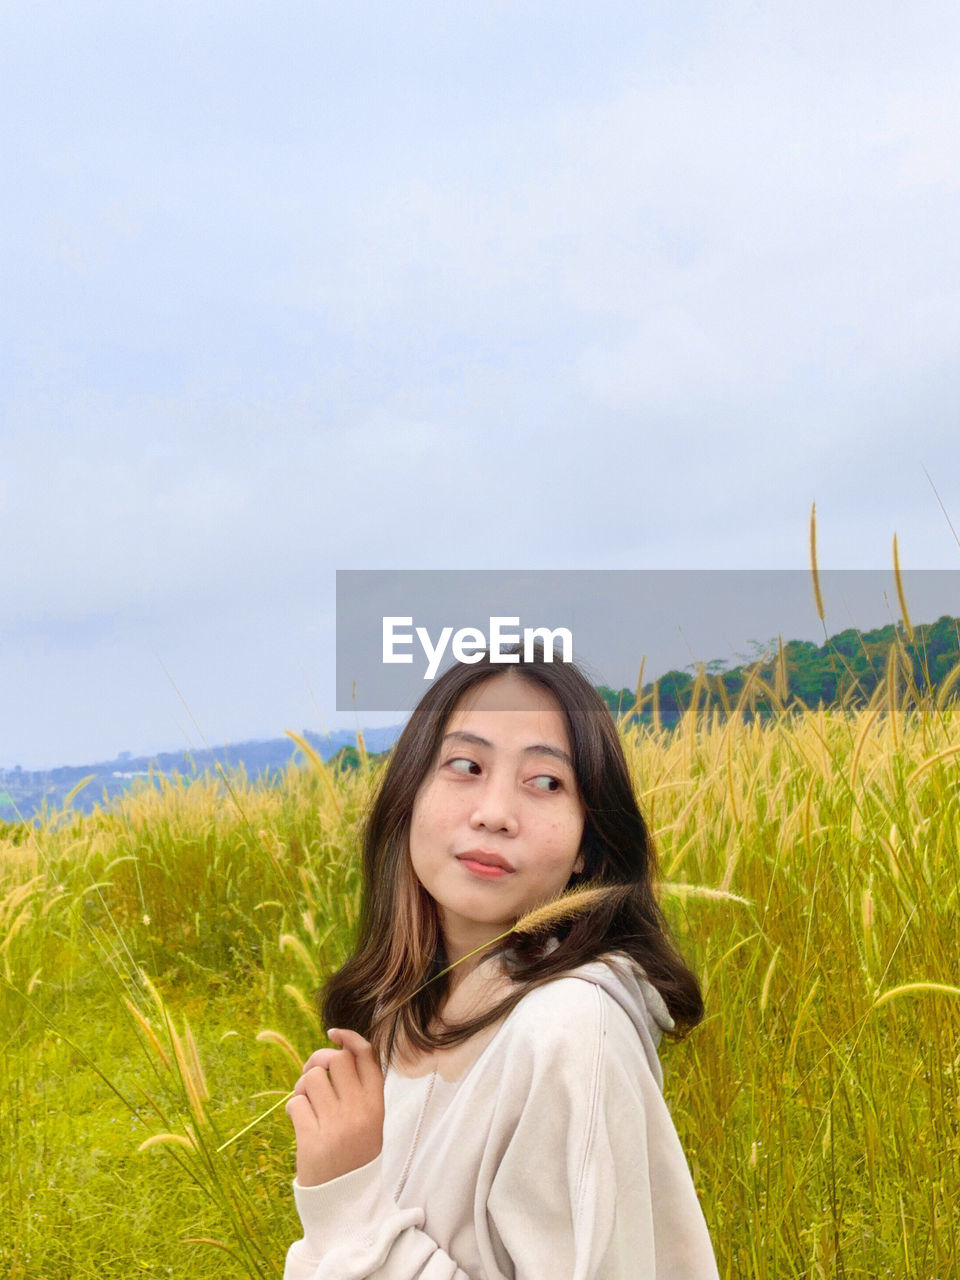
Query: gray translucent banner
{"x": 398, "y": 629}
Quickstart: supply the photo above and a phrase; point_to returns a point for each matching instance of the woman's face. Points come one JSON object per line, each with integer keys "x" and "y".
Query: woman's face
{"x": 502, "y": 789}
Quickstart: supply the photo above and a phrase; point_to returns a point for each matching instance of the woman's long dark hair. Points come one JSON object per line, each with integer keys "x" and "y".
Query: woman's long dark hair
{"x": 399, "y": 945}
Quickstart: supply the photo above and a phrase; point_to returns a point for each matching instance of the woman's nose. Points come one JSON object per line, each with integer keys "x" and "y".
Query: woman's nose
{"x": 495, "y": 808}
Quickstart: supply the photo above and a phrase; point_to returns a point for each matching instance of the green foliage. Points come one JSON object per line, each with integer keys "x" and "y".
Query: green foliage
{"x": 350, "y": 758}
{"x": 847, "y": 670}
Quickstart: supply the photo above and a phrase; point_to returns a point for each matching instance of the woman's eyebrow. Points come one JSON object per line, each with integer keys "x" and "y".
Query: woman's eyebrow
{"x": 538, "y": 749}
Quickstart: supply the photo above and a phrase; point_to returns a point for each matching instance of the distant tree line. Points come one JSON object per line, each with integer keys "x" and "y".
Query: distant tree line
{"x": 845, "y": 670}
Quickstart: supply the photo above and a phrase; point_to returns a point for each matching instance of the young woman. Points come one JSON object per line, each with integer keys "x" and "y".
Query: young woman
{"x": 504, "y": 1121}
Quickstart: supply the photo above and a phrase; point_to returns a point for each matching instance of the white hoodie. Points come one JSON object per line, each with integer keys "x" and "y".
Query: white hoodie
{"x": 550, "y": 1156}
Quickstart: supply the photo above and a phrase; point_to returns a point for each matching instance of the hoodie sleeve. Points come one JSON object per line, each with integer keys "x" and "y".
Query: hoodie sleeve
{"x": 354, "y": 1230}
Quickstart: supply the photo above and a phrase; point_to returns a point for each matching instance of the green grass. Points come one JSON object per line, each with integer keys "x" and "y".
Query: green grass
{"x": 823, "y": 1130}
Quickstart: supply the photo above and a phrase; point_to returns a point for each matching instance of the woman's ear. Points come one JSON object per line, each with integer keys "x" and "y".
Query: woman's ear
{"x": 578, "y": 865}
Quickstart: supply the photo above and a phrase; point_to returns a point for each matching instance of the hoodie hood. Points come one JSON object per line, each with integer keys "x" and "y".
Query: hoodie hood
{"x": 624, "y": 980}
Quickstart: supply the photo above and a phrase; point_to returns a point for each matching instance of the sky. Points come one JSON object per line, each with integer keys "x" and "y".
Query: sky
{"x": 292, "y": 289}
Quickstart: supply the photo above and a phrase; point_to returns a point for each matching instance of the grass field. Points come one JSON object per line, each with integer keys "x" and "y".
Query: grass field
{"x": 157, "y": 962}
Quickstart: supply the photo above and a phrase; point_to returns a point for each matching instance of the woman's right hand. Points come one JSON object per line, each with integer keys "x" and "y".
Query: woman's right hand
{"x": 337, "y": 1110}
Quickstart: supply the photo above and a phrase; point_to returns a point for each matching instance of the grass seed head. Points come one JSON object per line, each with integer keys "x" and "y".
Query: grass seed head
{"x": 568, "y": 905}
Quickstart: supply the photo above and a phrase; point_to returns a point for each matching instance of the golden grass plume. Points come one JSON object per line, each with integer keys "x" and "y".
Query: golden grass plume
{"x": 908, "y": 987}
{"x": 565, "y": 907}
{"x": 818, "y": 598}
{"x": 161, "y": 1139}
{"x": 901, "y": 594}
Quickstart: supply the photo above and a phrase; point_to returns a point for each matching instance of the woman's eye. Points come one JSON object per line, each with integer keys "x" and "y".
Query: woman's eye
{"x": 546, "y": 777}
{"x": 470, "y": 764}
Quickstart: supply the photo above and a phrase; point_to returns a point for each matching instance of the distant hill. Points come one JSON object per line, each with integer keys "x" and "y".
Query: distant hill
{"x": 23, "y": 792}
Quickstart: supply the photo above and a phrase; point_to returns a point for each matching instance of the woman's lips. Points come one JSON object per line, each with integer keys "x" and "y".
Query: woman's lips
{"x": 485, "y": 869}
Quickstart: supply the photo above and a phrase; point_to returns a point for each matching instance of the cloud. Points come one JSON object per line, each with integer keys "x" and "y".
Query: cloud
{"x": 461, "y": 288}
